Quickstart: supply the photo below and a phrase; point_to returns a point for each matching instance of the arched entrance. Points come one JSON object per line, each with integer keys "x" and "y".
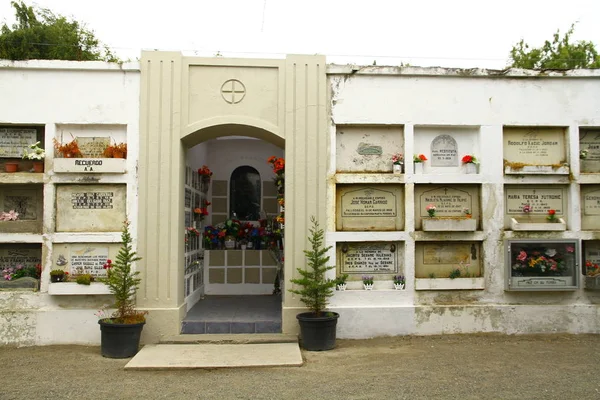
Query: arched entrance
{"x": 233, "y": 269}
{"x": 186, "y": 101}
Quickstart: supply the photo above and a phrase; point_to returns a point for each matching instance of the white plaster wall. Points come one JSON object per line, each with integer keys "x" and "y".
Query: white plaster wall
{"x": 474, "y": 110}
{"x": 56, "y": 93}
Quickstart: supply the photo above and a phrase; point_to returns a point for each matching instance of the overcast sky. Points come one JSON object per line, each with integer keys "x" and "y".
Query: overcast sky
{"x": 459, "y": 33}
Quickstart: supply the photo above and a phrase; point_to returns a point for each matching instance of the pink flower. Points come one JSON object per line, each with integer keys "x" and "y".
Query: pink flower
{"x": 522, "y": 256}
{"x": 570, "y": 249}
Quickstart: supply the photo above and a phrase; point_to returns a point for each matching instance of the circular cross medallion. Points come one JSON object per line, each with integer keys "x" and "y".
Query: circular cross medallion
{"x": 233, "y": 91}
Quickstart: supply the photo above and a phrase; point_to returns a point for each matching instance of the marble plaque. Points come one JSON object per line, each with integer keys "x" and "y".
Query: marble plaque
{"x": 92, "y": 147}
{"x": 367, "y": 148}
{"x": 14, "y": 254}
{"x": 590, "y": 140}
{"x": 446, "y": 253}
{"x": 540, "y": 199}
{"x": 449, "y": 202}
{"x": 88, "y": 259}
{"x": 22, "y": 201}
{"x": 590, "y": 205}
{"x": 534, "y": 146}
{"x": 89, "y": 165}
{"x": 369, "y": 258}
{"x": 592, "y": 252}
{"x": 374, "y": 207}
{"x": 444, "y": 152}
{"x": 438, "y": 259}
{"x": 14, "y": 140}
{"x": 90, "y": 208}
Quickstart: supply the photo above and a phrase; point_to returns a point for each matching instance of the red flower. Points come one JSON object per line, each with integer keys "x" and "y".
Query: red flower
{"x": 467, "y": 159}
{"x": 422, "y": 157}
{"x": 551, "y": 212}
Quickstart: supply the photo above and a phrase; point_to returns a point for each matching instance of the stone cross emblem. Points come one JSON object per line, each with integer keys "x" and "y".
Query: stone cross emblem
{"x": 233, "y": 91}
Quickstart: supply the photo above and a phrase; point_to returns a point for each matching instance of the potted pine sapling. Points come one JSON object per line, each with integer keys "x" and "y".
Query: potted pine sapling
{"x": 318, "y": 326}
{"x": 120, "y": 334}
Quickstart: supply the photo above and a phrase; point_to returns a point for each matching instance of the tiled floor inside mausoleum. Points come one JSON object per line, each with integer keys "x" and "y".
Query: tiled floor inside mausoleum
{"x": 234, "y": 314}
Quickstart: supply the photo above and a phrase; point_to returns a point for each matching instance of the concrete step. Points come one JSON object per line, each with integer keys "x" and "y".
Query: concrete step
{"x": 199, "y": 356}
{"x": 237, "y": 327}
{"x": 252, "y": 338}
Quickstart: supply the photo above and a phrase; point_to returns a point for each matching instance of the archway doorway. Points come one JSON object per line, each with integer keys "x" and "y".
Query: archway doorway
{"x": 233, "y": 242}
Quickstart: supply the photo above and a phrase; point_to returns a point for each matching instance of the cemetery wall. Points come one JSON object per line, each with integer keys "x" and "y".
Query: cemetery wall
{"x": 71, "y": 214}
{"x": 464, "y": 266}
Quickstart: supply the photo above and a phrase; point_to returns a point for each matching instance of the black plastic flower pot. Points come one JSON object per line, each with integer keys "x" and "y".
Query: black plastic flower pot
{"x": 119, "y": 340}
{"x": 318, "y": 333}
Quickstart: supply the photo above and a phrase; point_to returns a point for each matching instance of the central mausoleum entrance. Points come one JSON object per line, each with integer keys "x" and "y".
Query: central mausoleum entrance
{"x": 230, "y": 115}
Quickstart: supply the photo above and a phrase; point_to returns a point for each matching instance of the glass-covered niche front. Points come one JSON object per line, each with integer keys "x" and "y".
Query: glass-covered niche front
{"x": 542, "y": 264}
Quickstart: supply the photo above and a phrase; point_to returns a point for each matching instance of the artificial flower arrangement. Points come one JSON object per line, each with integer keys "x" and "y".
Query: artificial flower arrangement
{"x": 205, "y": 172}
{"x": 35, "y": 153}
{"x": 12, "y": 215}
{"x": 551, "y": 217}
{"x": 201, "y": 212}
{"x": 399, "y": 280}
{"x": 591, "y": 268}
{"x": 68, "y": 150}
{"x": 419, "y": 158}
{"x": 430, "y": 210}
{"x": 541, "y": 261}
{"x": 191, "y": 231}
{"x": 21, "y": 271}
{"x": 583, "y": 154}
{"x": 469, "y": 159}
{"x": 398, "y": 159}
{"x": 278, "y": 165}
{"x": 367, "y": 280}
{"x": 117, "y": 150}
{"x": 467, "y": 212}
{"x": 260, "y": 236}
{"x": 527, "y": 209}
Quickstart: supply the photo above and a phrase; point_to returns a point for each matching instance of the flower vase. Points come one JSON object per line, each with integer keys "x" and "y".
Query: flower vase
{"x": 397, "y": 168}
{"x": 38, "y": 166}
{"x": 230, "y": 244}
{"x": 368, "y": 286}
{"x": 243, "y": 247}
{"x": 471, "y": 168}
{"x": 341, "y": 287}
{"x": 418, "y": 168}
{"x": 398, "y": 286}
{"x": 249, "y": 245}
{"x": 10, "y": 166}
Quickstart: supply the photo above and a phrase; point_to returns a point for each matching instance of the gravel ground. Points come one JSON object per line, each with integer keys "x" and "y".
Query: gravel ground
{"x": 432, "y": 367}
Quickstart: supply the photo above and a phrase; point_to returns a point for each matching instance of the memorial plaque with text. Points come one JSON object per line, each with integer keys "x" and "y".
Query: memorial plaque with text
{"x": 14, "y": 140}
{"x": 90, "y": 208}
{"x": 590, "y": 205}
{"x": 369, "y": 208}
{"x": 88, "y": 259}
{"x": 534, "y": 146}
{"x": 22, "y": 201}
{"x": 589, "y": 140}
{"x": 19, "y": 255}
{"x": 92, "y": 147}
{"x": 367, "y": 148}
{"x": 448, "y": 202}
{"x": 438, "y": 259}
{"x": 444, "y": 152}
{"x": 540, "y": 199}
{"x": 369, "y": 258}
